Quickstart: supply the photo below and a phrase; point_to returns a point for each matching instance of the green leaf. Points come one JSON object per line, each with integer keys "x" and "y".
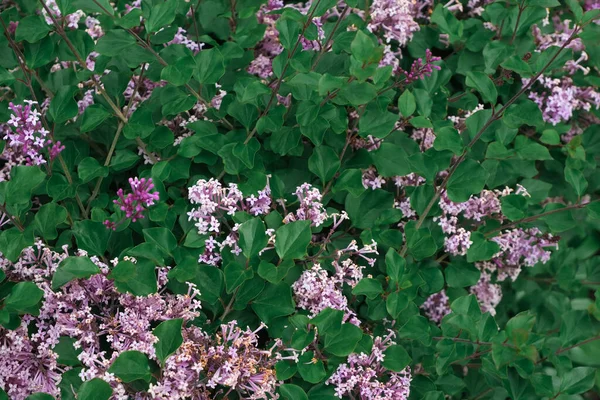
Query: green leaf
{"x": 73, "y": 268}
{"x": 461, "y": 274}
{"x": 576, "y": 179}
{"x": 92, "y": 236}
{"x": 137, "y": 278}
{"x": 419, "y": 241}
{"x": 559, "y": 221}
{"x": 235, "y": 274}
{"x": 363, "y": 48}
{"x": 94, "y": 6}
{"x": 114, "y": 42}
{"x": 514, "y": 206}
{"x": 161, "y": 238}
{"x": 396, "y": 302}
{"x": 94, "y": 389}
{"x": 92, "y": 117}
{"x": 273, "y": 273}
{"x": 310, "y": 368}
{"x": 448, "y": 138}
{"x": 209, "y": 281}
{"x": 578, "y": 380}
{"x": 48, "y": 218}
{"x": 369, "y": 287}
{"x": 407, "y": 104}
{"x": 252, "y": 237}
{"x": 179, "y": 72}
{"x": 67, "y": 354}
{"x": 292, "y": 392}
{"x": 169, "y": 338}
{"x": 23, "y": 297}
{"x": 130, "y": 366}
{"x": 328, "y": 321}
{"x": 469, "y": 178}
{"x": 39, "y": 396}
{"x": 288, "y": 32}
{"x": 324, "y": 162}
{"x": 209, "y": 66}
{"x": 376, "y": 122}
{"x": 32, "y": 29}
{"x": 23, "y": 180}
{"x": 481, "y": 249}
{"x": 391, "y": 160}
{"x": 161, "y": 14}
{"x": 524, "y": 113}
{"x": 343, "y": 343}
{"x": 63, "y": 107}
{"x": 396, "y": 358}
{"x": 89, "y": 168}
{"x": 484, "y": 85}
{"x": 292, "y": 240}
{"x": 576, "y": 9}
{"x": 275, "y": 301}
{"x": 365, "y": 209}
{"x": 351, "y": 181}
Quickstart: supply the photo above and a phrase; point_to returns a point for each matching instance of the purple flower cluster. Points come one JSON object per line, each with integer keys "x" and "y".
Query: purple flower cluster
{"x": 213, "y": 202}
{"x": 315, "y": 290}
{"x": 310, "y": 208}
{"x": 365, "y": 377}
{"x": 395, "y": 19}
{"x": 103, "y": 323}
{"x": 488, "y": 294}
{"x": 135, "y": 203}
{"x": 26, "y": 138}
{"x": 436, "y": 306}
{"x": 560, "y": 98}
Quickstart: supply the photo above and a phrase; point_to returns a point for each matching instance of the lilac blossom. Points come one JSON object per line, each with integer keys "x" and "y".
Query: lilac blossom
{"x": 488, "y": 294}
{"x": 135, "y": 203}
{"x": 315, "y": 291}
{"x": 365, "y": 377}
{"x": 261, "y": 66}
{"x": 558, "y": 99}
{"x": 213, "y": 202}
{"x": 421, "y": 69}
{"x": 371, "y": 179}
{"x": 436, "y": 306}
{"x": 311, "y": 208}
{"x": 394, "y": 18}
{"x": 26, "y": 137}
{"x": 181, "y": 38}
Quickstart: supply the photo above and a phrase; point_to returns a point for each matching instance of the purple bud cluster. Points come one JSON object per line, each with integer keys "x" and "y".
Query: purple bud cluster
{"x": 421, "y": 68}
{"x": 135, "y": 203}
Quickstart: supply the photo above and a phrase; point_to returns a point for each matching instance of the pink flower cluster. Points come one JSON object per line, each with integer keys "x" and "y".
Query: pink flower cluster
{"x": 365, "y": 377}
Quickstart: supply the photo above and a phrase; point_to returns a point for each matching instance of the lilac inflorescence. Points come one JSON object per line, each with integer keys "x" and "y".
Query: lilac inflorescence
{"x": 365, "y": 377}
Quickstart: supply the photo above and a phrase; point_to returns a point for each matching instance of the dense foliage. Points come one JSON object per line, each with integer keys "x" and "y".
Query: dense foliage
{"x": 233, "y": 199}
